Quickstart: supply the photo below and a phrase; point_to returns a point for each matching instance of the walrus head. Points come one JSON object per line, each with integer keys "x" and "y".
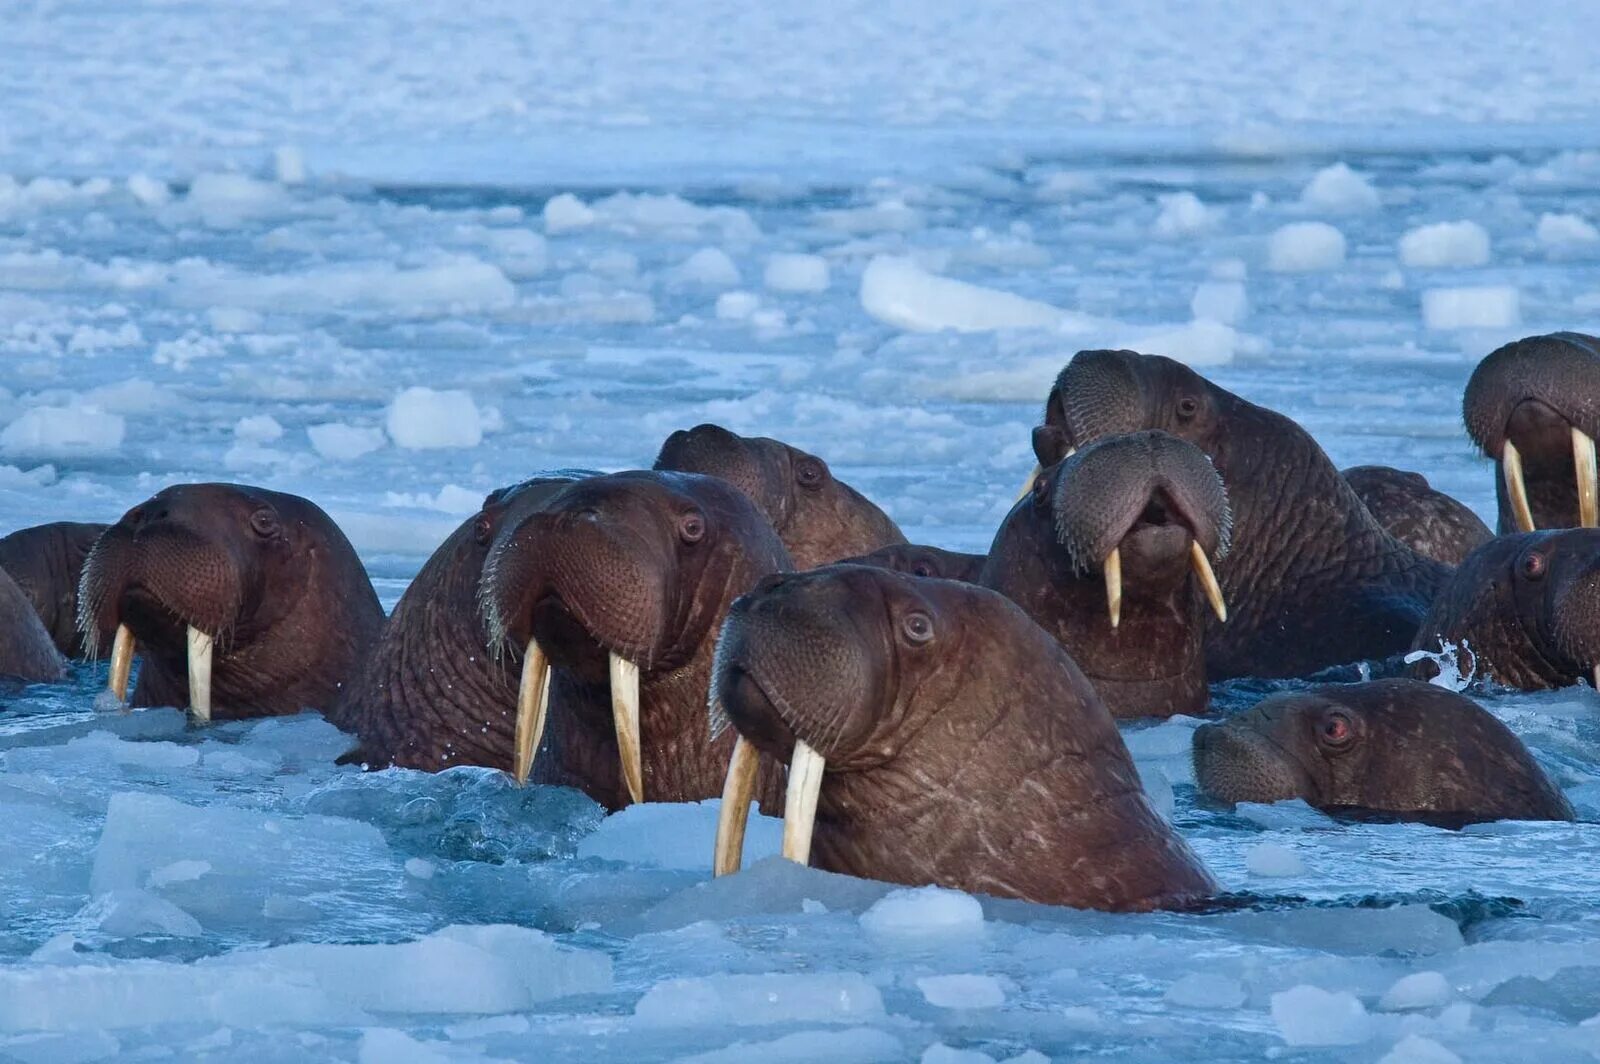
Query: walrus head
{"x": 917, "y": 559}
{"x": 46, "y": 561}
{"x": 232, "y": 595}
{"x": 1417, "y": 514}
{"x": 1523, "y": 610}
{"x": 1398, "y": 747}
{"x": 907, "y": 710}
{"x": 820, "y": 518}
{"x": 614, "y": 577}
{"x": 1534, "y": 407}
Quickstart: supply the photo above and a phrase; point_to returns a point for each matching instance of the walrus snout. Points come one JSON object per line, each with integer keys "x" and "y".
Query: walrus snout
{"x": 1576, "y": 627}
{"x": 1237, "y": 761}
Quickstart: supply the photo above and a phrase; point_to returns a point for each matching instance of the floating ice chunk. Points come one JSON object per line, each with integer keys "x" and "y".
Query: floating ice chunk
{"x": 939, "y": 1053}
{"x": 148, "y": 190}
{"x": 1182, "y": 214}
{"x": 710, "y": 267}
{"x": 1302, "y": 247}
{"x": 1198, "y": 343}
{"x": 450, "y": 499}
{"x": 1273, "y": 859}
{"x": 1420, "y": 990}
{"x": 788, "y": 272}
{"x": 1566, "y": 232}
{"x": 854, "y": 1045}
{"x": 737, "y": 306}
{"x": 760, "y": 1000}
{"x": 37, "y": 477}
{"x": 447, "y": 285}
{"x": 1445, "y": 244}
{"x": 424, "y": 419}
{"x": 233, "y": 320}
{"x": 224, "y": 201}
{"x": 289, "y": 165}
{"x": 962, "y": 991}
{"x": 1221, "y": 301}
{"x": 889, "y": 216}
{"x": 1472, "y": 307}
{"x": 177, "y": 872}
{"x": 1415, "y": 1049}
{"x": 344, "y": 443}
{"x": 130, "y": 913}
{"x": 898, "y": 292}
{"x": 678, "y": 835}
{"x": 1310, "y": 1016}
{"x": 923, "y": 911}
{"x": 385, "y": 1045}
{"x": 259, "y": 428}
{"x": 1339, "y": 188}
{"x": 566, "y": 212}
{"x": 61, "y": 1047}
{"x": 64, "y": 431}
{"x": 1205, "y": 990}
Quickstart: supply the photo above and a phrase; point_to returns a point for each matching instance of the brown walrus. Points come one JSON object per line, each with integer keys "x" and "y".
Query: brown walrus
{"x": 241, "y": 601}
{"x": 1414, "y": 512}
{"x": 1112, "y": 554}
{"x": 608, "y": 598}
{"x": 1523, "y": 611}
{"x": 26, "y": 652}
{"x": 431, "y": 694}
{"x": 935, "y": 734}
{"x": 820, "y": 518}
{"x": 1399, "y": 747}
{"x": 917, "y": 559}
{"x": 1313, "y": 580}
{"x": 46, "y": 561}
{"x": 1534, "y": 407}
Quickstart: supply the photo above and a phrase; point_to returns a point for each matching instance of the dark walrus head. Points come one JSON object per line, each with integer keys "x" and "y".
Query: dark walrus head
{"x": 819, "y": 518}
{"x": 1398, "y": 747}
{"x": 1418, "y": 515}
{"x": 1313, "y": 579}
{"x": 46, "y": 561}
{"x": 1523, "y": 611}
{"x": 253, "y": 594}
{"x": 1112, "y": 552}
{"x": 613, "y": 590}
{"x": 1534, "y": 407}
{"x": 934, "y": 734}
{"x": 917, "y": 559}
{"x": 26, "y": 652}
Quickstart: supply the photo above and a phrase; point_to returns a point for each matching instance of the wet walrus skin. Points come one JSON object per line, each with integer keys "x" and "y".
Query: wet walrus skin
{"x": 963, "y": 747}
{"x": 640, "y": 566}
{"x": 819, "y": 518}
{"x": 1541, "y": 395}
{"x": 1312, "y": 580}
{"x": 26, "y": 652}
{"x": 46, "y": 561}
{"x": 432, "y": 695}
{"x": 268, "y": 575}
{"x": 917, "y": 559}
{"x": 1152, "y": 499}
{"x": 1414, "y": 512}
{"x": 1522, "y": 611}
{"x": 1397, "y": 747}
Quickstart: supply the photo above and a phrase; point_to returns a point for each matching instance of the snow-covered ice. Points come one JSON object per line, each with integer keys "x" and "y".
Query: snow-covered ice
{"x": 1445, "y": 245}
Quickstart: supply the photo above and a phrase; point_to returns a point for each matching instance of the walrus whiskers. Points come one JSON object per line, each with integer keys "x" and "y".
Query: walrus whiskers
{"x": 1113, "y": 571}
{"x": 200, "y": 660}
{"x": 121, "y": 662}
{"x": 625, "y": 715}
{"x": 1583, "y": 459}
{"x": 1516, "y": 487}
{"x": 800, "y": 801}
{"x": 734, "y": 815}
{"x": 1208, "y": 580}
{"x": 533, "y": 705}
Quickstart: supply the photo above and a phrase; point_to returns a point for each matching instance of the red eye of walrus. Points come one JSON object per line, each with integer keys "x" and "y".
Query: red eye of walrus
{"x": 809, "y": 473}
{"x": 691, "y": 527}
{"x": 1533, "y": 566}
{"x": 918, "y": 627}
{"x": 1188, "y": 406}
{"x": 265, "y": 523}
{"x": 1336, "y": 729}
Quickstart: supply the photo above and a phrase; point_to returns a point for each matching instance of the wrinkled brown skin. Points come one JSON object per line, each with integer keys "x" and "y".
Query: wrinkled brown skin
{"x": 1398, "y": 747}
{"x": 916, "y": 559}
{"x": 609, "y": 564}
{"x": 1313, "y": 580}
{"x": 1151, "y": 496}
{"x": 269, "y": 575}
{"x": 819, "y": 518}
{"x": 432, "y": 695}
{"x": 26, "y": 652}
{"x": 977, "y": 758}
{"x": 1523, "y": 611}
{"x": 1424, "y": 519}
{"x": 47, "y": 561}
{"x": 1535, "y": 391}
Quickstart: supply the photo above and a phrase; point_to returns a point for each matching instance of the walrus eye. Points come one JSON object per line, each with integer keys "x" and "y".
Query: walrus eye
{"x": 1336, "y": 729}
{"x": 264, "y": 523}
{"x": 1188, "y": 407}
{"x": 809, "y": 473}
{"x": 918, "y": 627}
{"x": 1533, "y": 566}
{"x": 483, "y": 529}
{"x": 692, "y": 527}
{"x": 922, "y": 569}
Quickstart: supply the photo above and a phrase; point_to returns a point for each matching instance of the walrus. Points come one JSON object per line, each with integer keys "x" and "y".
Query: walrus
{"x": 1112, "y": 554}
{"x": 241, "y": 602}
{"x": 46, "y": 561}
{"x": 1523, "y": 611}
{"x": 1398, "y": 747}
{"x": 819, "y": 518}
{"x": 917, "y": 559}
{"x": 431, "y": 694}
{"x": 1418, "y": 515}
{"x": 26, "y": 651}
{"x": 934, "y": 734}
{"x": 1534, "y": 407}
{"x": 1314, "y": 580}
{"x": 608, "y": 598}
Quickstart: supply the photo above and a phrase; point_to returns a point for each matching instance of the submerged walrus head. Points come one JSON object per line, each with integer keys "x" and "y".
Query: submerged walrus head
{"x": 934, "y": 734}
{"x": 1398, "y": 747}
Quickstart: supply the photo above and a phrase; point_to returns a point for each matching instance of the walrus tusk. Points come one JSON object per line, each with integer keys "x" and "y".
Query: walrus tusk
{"x": 1113, "y": 569}
{"x": 200, "y": 646}
{"x": 533, "y": 703}
{"x": 1516, "y": 487}
{"x": 625, "y": 715}
{"x": 1583, "y": 458}
{"x": 121, "y": 662}
{"x": 800, "y": 801}
{"x": 1597, "y": 677}
{"x": 1208, "y": 581}
{"x": 735, "y": 813}
{"x": 1027, "y": 485}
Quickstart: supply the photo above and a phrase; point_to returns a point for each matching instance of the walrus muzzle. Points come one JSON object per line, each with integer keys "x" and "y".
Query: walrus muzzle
{"x": 1583, "y": 462}
{"x": 533, "y": 705}
{"x": 201, "y": 649}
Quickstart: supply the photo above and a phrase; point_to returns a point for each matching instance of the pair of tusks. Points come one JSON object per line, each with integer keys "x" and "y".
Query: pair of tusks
{"x": 533, "y": 705}
{"x": 1583, "y": 459}
{"x": 799, "y": 805}
{"x": 201, "y": 648}
{"x": 1197, "y": 561}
